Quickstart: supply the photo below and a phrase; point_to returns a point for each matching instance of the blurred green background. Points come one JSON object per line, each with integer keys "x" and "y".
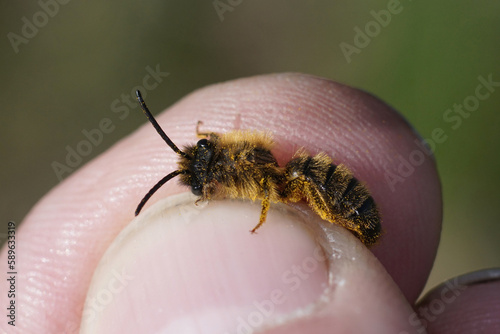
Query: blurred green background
{"x": 62, "y": 77}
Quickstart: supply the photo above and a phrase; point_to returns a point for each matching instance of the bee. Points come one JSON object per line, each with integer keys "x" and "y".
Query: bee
{"x": 239, "y": 164}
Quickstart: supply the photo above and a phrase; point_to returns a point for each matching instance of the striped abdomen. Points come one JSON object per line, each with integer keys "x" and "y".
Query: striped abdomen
{"x": 334, "y": 194}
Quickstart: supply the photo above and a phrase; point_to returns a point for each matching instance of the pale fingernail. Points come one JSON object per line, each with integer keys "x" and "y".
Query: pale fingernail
{"x": 182, "y": 268}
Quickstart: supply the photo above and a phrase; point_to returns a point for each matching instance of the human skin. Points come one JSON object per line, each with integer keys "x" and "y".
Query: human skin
{"x": 203, "y": 272}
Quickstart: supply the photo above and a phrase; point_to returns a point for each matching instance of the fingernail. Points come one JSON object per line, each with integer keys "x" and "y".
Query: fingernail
{"x": 183, "y": 268}
{"x": 460, "y": 283}
{"x": 479, "y": 276}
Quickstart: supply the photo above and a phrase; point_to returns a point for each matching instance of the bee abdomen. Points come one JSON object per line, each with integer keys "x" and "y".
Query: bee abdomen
{"x": 335, "y": 194}
{"x": 353, "y": 203}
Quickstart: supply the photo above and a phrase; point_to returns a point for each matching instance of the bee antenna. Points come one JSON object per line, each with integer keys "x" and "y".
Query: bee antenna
{"x": 157, "y": 126}
{"x": 156, "y": 187}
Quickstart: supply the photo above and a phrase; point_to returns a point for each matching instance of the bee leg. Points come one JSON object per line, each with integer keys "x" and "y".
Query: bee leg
{"x": 201, "y": 134}
{"x": 266, "y": 203}
{"x": 263, "y": 213}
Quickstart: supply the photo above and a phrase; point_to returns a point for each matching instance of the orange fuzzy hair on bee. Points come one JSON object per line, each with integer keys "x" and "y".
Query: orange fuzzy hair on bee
{"x": 239, "y": 164}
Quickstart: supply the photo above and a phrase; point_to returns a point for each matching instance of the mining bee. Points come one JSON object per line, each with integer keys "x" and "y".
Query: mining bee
{"x": 239, "y": 164}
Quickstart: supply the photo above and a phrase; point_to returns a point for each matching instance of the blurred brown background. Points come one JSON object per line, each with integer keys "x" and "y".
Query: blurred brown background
{"x": 64, "y": 65}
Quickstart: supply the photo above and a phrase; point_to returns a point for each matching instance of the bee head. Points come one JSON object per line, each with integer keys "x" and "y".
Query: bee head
{"x": 199, "y": 165}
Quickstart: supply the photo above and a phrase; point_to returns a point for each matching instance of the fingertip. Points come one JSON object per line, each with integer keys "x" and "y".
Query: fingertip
{"x": 73, "y": 225}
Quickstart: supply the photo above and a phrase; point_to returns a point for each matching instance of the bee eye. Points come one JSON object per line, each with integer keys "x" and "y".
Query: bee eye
{"x": 202, "y": 143}
{"x": 196, "y": 189}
